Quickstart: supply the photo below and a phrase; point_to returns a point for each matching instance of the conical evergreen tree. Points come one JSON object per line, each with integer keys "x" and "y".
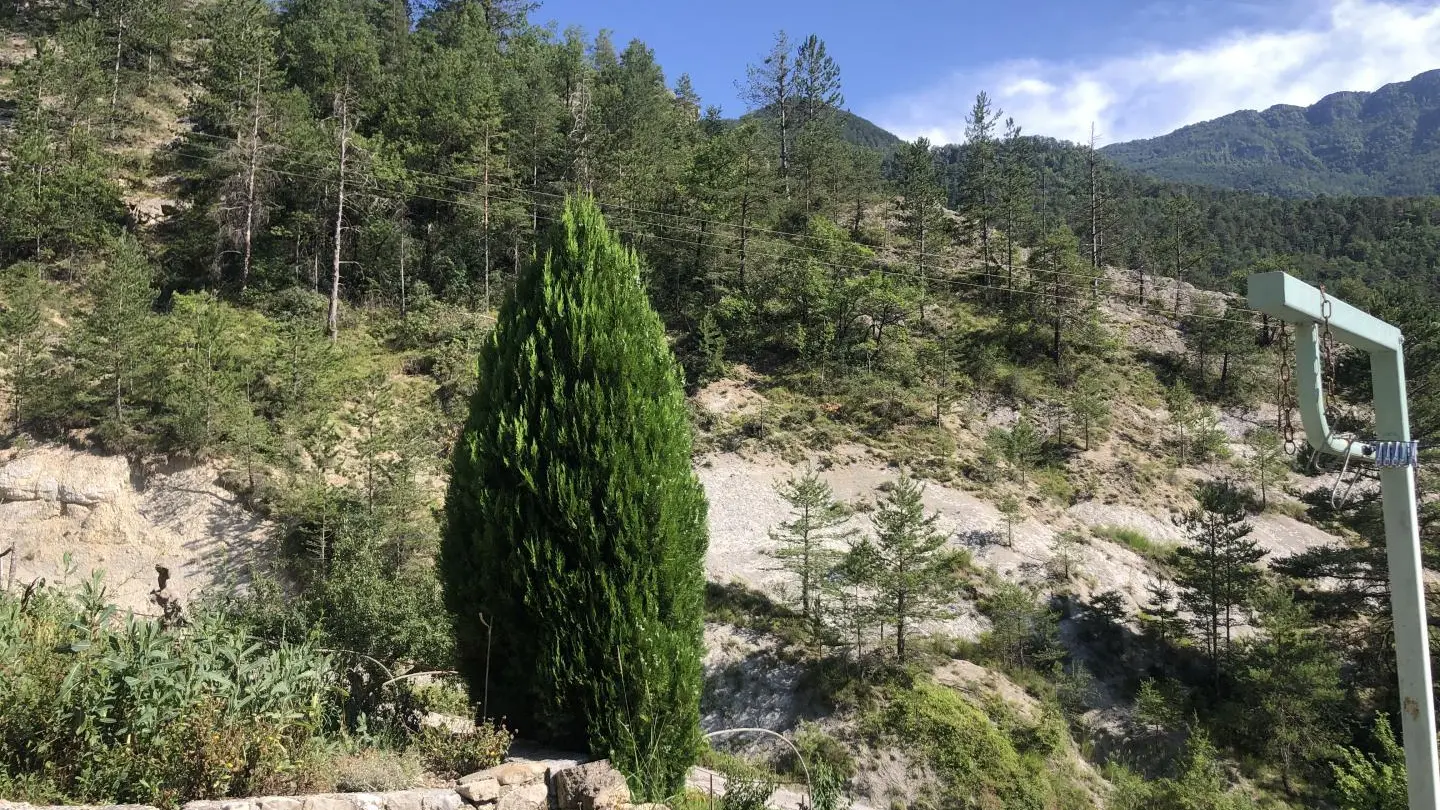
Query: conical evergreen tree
{"x": 576, "y": 526}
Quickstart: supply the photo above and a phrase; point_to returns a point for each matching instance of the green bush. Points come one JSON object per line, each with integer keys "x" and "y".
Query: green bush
{"x": 576, "y": 527}
{"x": 1136, "y": 541}
{"x": 452, "y": 754}
{"x": 978, "y": 763}
{"x": 100, "y": 708}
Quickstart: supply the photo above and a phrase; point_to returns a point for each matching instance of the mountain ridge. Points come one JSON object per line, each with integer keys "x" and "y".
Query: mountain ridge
{"x": 1384, "y": 142}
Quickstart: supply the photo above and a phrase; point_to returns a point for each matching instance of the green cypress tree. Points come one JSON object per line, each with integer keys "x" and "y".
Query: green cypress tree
{"x": 576, "y": 526}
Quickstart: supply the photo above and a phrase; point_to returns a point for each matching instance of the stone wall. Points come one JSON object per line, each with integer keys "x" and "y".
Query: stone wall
{"x": 516, "y": 785}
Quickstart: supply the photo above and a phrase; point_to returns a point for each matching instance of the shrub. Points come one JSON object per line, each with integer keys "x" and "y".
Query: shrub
{"x": 452, "y": 754}
{"x": 104, "y": 709}
{"x": 977, "y": 763}
{"x": 576, "y": 527}
{"x": 1136, "y": 541}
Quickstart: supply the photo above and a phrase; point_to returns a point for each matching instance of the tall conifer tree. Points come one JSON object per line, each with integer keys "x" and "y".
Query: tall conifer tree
{"x": 576, "y": 526}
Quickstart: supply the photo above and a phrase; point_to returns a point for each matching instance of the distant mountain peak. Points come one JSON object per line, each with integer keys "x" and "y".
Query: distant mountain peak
{"x": 1382, "y": 142}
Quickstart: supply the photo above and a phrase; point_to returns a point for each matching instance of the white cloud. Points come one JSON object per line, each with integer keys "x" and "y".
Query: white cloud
{"x": 1348, "y": 45}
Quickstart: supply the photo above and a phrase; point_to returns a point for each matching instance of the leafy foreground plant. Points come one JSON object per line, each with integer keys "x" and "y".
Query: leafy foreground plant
{"x": 100, "y": 708}
{"x": 576, "y": 527}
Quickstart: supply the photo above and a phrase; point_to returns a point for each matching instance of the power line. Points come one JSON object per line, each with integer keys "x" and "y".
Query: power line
{"x": 550, "y": 208}
{"x": 634, "y": 220}
{"x": 635, "y": 210}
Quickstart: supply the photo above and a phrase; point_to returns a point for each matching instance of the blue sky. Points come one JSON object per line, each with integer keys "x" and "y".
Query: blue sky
{"x": 1136, "y": 68}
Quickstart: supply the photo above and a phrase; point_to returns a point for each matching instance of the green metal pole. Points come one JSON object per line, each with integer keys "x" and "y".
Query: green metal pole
{"x": 1407, "y": 586}
{"x": 1291, "y": 300}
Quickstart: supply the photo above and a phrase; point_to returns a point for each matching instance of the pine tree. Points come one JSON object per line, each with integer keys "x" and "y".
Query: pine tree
{"x": 805, "y": 544}
{"x": 847, "y": 585}
{"x": 1216, "y": 570}
{"x": 941, "y": 375}
{"x": 920, "y": 198}
{"x": 1373, "y": 781}
{"x": 113, "y": 348}
{"x": 1013, "y": 199}
{"x": 1090, "y": 403}
{"x": 1019, "y": 446}
{"x": 209, "y": 351}
{"x": 1023, "y": 633}
{"x": 1160, "y": 616}
{"x": 239, "y": 78}
{"x": 1065, "y": 554}
{"x": 770, "y": 88}
{"x": 1292, "y": 679}
{"x": 1058, "y": 279}
{"x": 981, "y": 175}
{"x": 911, "y": 580}
{"x": 817, "y": 147}
{"x": 1268, "y": 462}
{"x": 1178, "y": 245}
{"x": 23, "y": 330}
{"x": 576, "y": 526}
{"x": 1009, "y": 508}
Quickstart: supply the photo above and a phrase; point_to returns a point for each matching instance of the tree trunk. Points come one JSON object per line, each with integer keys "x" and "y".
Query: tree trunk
{"x": 486, "y": 218}
{"x": 254, "y": 160}
{"x": 332, "y": 323}
{"x": 900, "y": 629}
{"x": 115, "y": 84}
{"x": 921, "y": 258}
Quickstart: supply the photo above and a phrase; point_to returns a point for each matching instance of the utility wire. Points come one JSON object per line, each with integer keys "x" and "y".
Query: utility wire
{"x": 476, "y": 184}
{"x": 552, "y": 207}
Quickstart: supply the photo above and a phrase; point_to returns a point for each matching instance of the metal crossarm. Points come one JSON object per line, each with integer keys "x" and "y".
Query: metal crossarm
{"x": 1293, "y": 301}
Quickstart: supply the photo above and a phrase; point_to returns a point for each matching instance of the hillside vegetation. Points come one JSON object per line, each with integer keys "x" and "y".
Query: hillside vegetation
{"x": 274, "y": 240}
{"x": 1383, "y": 143}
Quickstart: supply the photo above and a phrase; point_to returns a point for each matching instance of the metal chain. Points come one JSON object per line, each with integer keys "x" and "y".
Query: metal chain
{"x": 1327, "y": 350}
{"x": 1283, "y": 396}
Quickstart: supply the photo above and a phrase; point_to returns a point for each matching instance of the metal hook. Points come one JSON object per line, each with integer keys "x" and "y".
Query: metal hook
{"x": 1341, "y": 477}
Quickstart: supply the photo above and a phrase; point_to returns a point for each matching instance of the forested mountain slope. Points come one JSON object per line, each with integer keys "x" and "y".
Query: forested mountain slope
{"x": 262, "y": 245}
{"x": 1385, "y": 142}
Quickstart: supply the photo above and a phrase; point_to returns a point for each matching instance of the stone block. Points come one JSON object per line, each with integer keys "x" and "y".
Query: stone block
{"x": 278, "y": 803}
{"x": 480, "y": 791}
{"x": 440, "y": 799}
{"x": 534, "y": 796}
{"x": 327, "y": 801}
{"x": 509, "y": 773}
{"x": 402, "y": 800}
{"x": 366, "y": 801}
{"x": 592, "y": 786}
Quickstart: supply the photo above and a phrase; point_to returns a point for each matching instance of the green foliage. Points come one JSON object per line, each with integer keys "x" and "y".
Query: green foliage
{"x": 1023, "y": 633}
{"x": 1019, "y": 447}
{"x": 1268, "y": 462}
{"x": 113, "y": 348}
{"x": 452, "y": 754}
{"x": 747, "y": 786}
{"x": 1195, "y": 432}
{"x": 1159, "y": 704}
{"x": 1136, "y": 540}
{"x": 912, "y": 574}
{"x": 103, "y": 708}
{"x": 1293, "y": 678}
{"x": 1373, "y": 781}
{"x": 805, "y": 544}
{"x": 575, "y": 524}
{"x": 1216, "y": 570}
{"x": 1200, "y": 784}
{"x": 977, "y": 763}
{"x": 24, "y": 328}
{"x": 1353, "y": 143}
